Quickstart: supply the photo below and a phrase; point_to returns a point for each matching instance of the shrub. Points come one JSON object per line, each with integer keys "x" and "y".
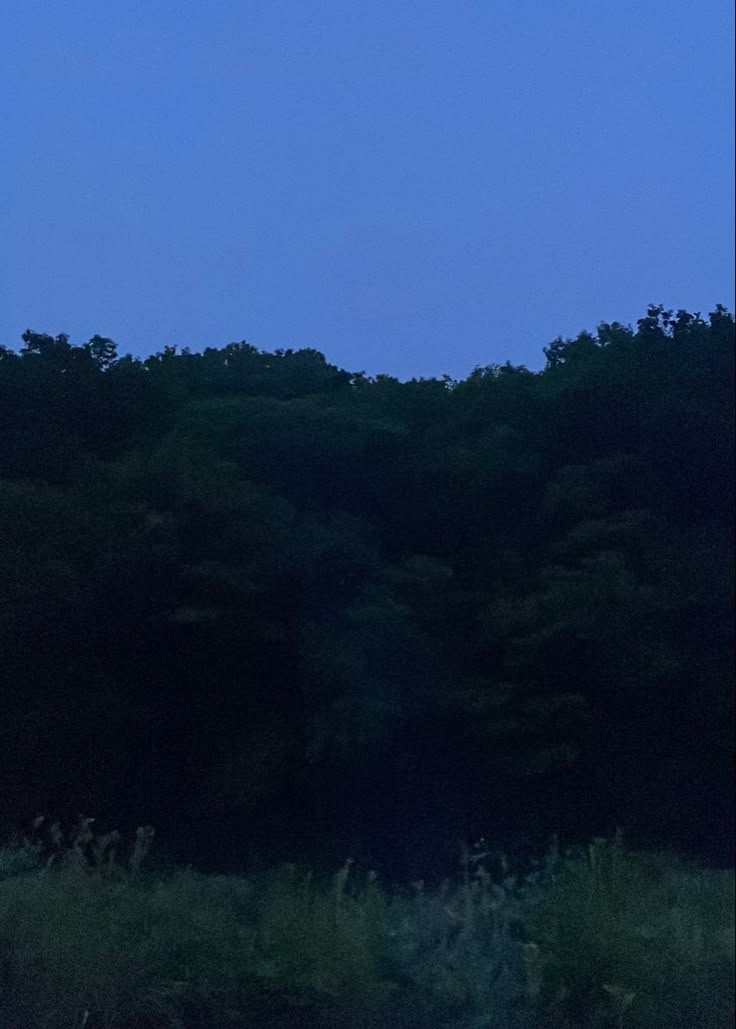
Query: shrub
{"x": 637, "y": 939}
{"x": 321, "y": 937}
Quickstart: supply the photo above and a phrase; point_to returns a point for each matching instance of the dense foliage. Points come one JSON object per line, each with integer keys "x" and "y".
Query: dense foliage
{"x": 323, "y": 614}
{"x": 601, "y": 937}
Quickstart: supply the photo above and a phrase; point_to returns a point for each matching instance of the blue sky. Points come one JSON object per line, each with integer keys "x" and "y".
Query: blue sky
{"x": 411, "y": 187}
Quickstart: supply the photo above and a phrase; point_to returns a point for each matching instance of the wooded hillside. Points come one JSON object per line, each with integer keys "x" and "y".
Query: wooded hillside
{"x": 275, "y": 607}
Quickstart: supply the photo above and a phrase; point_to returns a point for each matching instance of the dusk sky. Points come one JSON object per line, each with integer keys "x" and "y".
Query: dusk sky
{"x": 413, "y": 187}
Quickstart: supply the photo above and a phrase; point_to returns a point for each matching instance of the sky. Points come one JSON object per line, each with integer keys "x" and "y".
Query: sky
{"x": 412, "y": 187}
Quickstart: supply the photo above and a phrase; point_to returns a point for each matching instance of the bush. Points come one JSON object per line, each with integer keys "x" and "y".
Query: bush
{"x": 103, "y": 946}
{"x": 638, "y": 940}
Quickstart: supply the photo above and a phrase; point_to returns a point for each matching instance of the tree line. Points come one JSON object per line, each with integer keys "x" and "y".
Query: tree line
{"x": 277, "y": 608}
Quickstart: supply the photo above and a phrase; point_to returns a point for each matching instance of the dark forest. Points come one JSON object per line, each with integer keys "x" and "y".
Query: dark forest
{"x": 281, "y": 610}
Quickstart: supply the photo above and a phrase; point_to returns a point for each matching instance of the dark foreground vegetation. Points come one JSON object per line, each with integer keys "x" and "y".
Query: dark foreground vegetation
{"x": 605, "y": 936}
{"x": 287, "y": 613}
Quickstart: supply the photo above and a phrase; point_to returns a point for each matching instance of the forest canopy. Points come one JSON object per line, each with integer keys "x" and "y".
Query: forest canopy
{"x": 254, "y": 597}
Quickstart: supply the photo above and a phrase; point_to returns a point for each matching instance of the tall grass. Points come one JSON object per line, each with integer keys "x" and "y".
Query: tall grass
{"x": 608, "y": 937}
{"x": 638, "y": 940}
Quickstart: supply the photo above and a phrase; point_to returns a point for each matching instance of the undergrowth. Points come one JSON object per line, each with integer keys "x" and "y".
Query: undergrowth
{"x": 597, "y": 938}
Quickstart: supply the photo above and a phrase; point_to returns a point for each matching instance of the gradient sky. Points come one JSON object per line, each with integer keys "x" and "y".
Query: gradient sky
{"x": 413, "y": 187}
